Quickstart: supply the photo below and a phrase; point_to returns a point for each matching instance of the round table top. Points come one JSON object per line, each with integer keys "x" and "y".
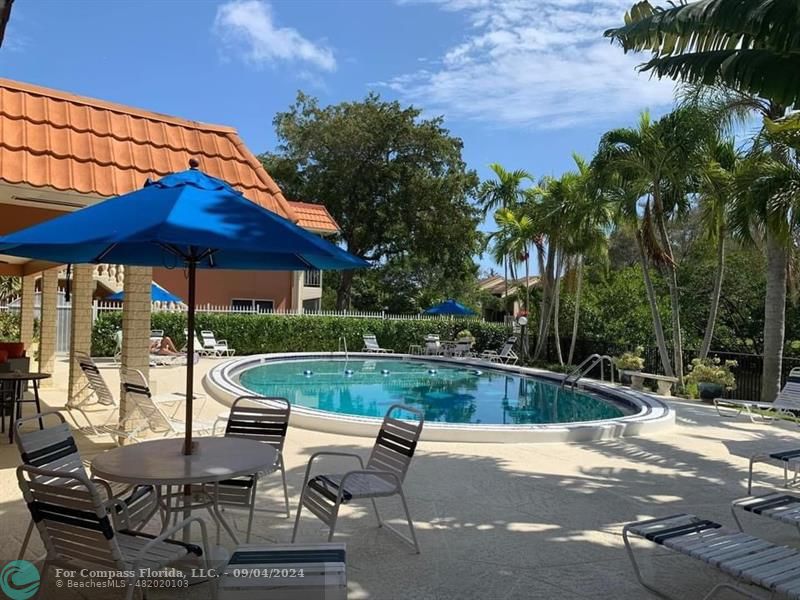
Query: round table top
{"x": 163, "y": 462}
{"x": 22, "y": 376}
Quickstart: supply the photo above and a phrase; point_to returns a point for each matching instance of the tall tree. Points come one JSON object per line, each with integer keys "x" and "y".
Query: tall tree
{"x": 505, "y": 191}
{"x": 715, "y": 192}
{"x": 396, "y": 183}
{"x": 660, "y": 160}
{"x": 512, "y": 242}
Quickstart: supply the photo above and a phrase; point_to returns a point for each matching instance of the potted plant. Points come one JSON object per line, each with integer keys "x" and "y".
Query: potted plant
{"x": 465, "y": 335}
{"x": 712, "y": 376}
{"x": 629, "y": 361}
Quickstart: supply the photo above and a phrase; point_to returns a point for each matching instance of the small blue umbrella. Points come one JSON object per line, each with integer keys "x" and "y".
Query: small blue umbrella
{"x": 157, "y": 294}
{"x": 186, "y": 220}
{"x": 450, "y": 307}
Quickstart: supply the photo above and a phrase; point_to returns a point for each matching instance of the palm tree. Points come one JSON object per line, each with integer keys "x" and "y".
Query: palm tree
{"x": 715, "y": 192}
{"x": 660, "y": 160}
{"x": 767, "y": 208}
{"x": 512, "y": 241}
{"x": 505, "y": 191}
{"x": 751, "y": 45}
{"x": 9, "y": 287}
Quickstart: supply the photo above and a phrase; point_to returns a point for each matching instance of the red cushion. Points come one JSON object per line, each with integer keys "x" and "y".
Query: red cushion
{"x": 3, "y": 356}
{"x": 13, "y": 349}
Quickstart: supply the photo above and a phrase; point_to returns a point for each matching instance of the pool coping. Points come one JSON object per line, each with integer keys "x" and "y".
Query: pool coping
{"x": 651, "y": 414}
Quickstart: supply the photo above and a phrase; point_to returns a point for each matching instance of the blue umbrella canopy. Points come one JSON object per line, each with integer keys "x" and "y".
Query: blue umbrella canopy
{"x": 157, "y": 294}
{"x": 187, "y": 219}
{"x": 450, "y": 307}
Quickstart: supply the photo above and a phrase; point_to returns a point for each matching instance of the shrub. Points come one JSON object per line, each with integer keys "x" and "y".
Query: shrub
{"x": 712, "y": 370}
{"x": 255, "y": 334}
{"x": 630, "y": 361}
{"x": 9, "y": 326}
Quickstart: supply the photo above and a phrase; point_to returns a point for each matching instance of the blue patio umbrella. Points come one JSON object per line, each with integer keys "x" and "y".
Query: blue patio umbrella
{"x": 450, "y": 307}
{"x": 157, "y": 294}
{"x": 185, "y": 220}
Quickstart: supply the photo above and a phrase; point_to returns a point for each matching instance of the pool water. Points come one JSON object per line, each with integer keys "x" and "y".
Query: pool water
{"x": 444, "y": 392}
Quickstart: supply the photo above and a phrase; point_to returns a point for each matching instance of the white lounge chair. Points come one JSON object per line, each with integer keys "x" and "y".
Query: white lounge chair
{"x": 505, "y": 355}
{"x": 93, "y": 398}
{"x": 153, "y": 413}
{"x": 382, "y": 476}
{"x": 462, "y": 349}
{"x": 198, "y": 345}
{"x": 55, "y": 449}
{"x": 784, "y": 508}
{"x": 72, "y": 519}
{"x": 749, "y": 560}
{"x": 215, "y": 347}
{"x": 265, "y": 420}
{"x": 787, "y": 400}
{"x": 371, "y": 345}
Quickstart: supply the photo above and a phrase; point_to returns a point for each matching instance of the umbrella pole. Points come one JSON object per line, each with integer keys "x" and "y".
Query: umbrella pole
{"x": 187, "y": 446}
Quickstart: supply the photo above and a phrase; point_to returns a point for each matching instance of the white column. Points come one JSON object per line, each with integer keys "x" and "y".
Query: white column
{"x": 135, "y": 326}
{"x": 81, "y": 289}
{"x": 48, "y": 319}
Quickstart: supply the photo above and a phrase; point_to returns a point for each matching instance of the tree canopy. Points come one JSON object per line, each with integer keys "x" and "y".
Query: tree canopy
{"x": 396, "y": 184}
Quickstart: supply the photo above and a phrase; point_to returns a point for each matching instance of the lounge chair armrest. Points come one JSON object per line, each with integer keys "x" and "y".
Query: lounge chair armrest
{"x": 329, "y": 453}
{"x": 106, "y": 487}
{"x": 171, "y": 531}
{"x": 125, "y": 516}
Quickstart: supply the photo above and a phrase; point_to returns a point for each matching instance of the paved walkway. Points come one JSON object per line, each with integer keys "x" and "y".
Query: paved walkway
{"x": 514, "y": 521}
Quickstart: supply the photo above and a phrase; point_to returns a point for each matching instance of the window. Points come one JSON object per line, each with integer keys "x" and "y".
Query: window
{"x": 249, "y": 304}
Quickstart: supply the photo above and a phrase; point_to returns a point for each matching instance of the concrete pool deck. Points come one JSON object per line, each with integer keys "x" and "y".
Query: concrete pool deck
{"x": 505, "y": 521}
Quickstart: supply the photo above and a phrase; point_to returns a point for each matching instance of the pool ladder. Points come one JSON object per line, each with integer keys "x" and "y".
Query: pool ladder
{"x": 343, "y": 344}
{"x": 587, "y": 365}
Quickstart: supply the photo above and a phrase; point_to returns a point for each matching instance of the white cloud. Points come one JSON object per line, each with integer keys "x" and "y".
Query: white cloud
{"x": 248, "y": 27}
{"x": 534, "y": 63}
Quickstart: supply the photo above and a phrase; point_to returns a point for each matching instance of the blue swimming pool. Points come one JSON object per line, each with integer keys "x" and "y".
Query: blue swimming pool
{"x": 445, "y": 392}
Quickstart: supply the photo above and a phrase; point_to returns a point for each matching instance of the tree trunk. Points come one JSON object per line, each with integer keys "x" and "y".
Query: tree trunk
{"x": 674, "y": 293}
{"x": 343, "y": 291}
{"x": 774, "y": 317}
{"x": 505, "y": 279}
{"x": 576, "y": 316}
{"x": 547, "y": 304}
{"x": 716, "y": 292}
{"x": 658, "y": 328}
{"x": 557, "y": 308}
{"x": 527, "y": 284}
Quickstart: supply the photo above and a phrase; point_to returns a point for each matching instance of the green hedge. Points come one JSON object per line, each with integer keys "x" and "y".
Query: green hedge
{"x": 9, "y": 325}
{"x": 254, "y": 334}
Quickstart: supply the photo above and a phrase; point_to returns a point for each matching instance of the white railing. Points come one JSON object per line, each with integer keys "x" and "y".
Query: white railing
{"x": 312, "y": 278}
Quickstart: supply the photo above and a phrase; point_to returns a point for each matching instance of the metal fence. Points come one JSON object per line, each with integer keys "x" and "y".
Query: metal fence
{"x": 747, "y": 372}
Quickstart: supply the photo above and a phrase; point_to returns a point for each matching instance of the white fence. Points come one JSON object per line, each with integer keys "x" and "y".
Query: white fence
{"x": 98, "y": 307}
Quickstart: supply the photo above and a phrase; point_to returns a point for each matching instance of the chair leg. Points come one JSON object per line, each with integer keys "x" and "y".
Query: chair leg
{"x": 285, "y": 489}
{"x": 252, "y": 508}
{"x": 636, "y": 570}
{"x": 26, "y": 540}
{"x": 410, "y": 522}
{"x": 297, "y": 516}
{"x": 334, "y": 518}
{"x": 377, "y": 514}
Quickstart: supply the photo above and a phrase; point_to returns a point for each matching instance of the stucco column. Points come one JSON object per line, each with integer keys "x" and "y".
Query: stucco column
{"x": 48, "y": 319}
{"x": 297, "y": 291}
{"x": 135, "y": 325}
{"x": 81, "y": 289}
{"x": 26, "y": 310}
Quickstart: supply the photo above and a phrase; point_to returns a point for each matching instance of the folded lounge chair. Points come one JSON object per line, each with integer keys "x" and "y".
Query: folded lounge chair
{"x": 787, "y": 400}
{"x": 371, "y": 345}
{"x": 382, "y": 476}
{"x": 505, "y": 355}
{"x": 749, "y": 560}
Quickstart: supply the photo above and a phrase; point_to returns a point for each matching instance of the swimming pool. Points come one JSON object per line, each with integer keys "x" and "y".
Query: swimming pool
{"x": 465, "y": 400}
{"x": 444, "y": 392}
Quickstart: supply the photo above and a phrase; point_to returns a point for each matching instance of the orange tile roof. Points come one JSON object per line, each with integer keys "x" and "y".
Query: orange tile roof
{"x": 314, "y": 216}
{"x": 50, "y": 138}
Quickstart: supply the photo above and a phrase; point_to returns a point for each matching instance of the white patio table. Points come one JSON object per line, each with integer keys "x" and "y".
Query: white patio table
{"x": 162, "y": 464}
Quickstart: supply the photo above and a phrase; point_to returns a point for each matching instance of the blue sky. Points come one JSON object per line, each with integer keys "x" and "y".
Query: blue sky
{"x": 523, "y": 82}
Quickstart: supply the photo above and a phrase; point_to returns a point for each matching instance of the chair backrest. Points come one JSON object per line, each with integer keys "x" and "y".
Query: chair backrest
{"x": 259, "y": 418}
{"x": 117, "y": 341}
{"x": 508, "y": 346}
{"x": 462, "y": 346}
{"x": 209, "y": 341}
{"x": 197, "y": 343}
{"x": 396, "y": 442}
{"x": 432, "y": 343}
{"x": 156, "y": 335}
{"x": 137, "y": 394}
{"x": 72, "y": 519}
{"x": 51, "y": 448}
{"x": 370, "y": 341}
{"x": 100, "y": 392}
{"x": 789, "y": 396}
